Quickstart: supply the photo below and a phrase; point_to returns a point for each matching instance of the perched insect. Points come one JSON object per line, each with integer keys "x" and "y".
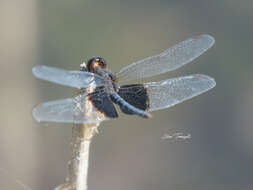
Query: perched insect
{"x": 99, "y": 88}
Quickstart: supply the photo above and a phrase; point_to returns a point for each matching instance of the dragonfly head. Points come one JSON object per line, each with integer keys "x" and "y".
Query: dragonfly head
{"x": 96, "y": 62}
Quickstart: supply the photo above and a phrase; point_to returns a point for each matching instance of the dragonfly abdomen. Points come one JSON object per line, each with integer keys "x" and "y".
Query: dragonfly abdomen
{"x": 126, "y": 107}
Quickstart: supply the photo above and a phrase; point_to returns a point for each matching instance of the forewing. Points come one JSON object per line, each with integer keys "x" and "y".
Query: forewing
{"x": 79, "y": 110}
{"x": 167, "y": 93}
{"x": 169, "y": 60}
{"x": 77, "y": 79}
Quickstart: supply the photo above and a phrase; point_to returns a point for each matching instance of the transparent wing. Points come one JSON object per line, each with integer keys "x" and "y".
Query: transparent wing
{"x": 77, "y": 110}
{"x": 167, "y": 93}
{"x": 169, "y": 60}
{"x": 77, "y": 79}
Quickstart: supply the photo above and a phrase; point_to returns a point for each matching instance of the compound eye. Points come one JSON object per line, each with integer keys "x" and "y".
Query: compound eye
{"x": 96, "y": 62}
{"x": 101, "y": 62}
{"x": 103, "y": 65}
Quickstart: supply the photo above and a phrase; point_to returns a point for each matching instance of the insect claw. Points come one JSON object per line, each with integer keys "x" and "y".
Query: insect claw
{"x": 96, "y": 131}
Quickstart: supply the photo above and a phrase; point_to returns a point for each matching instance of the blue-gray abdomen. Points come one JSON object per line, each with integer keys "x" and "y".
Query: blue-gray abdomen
{"x": 128, "y": 108}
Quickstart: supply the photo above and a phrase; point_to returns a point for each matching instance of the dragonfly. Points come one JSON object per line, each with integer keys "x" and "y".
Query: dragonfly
{"x": 99, "y": 89}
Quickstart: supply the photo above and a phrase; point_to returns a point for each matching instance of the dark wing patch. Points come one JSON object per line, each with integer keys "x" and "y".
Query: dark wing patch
{"x": 102, "y": 102}
{"x": 136, "y": 95}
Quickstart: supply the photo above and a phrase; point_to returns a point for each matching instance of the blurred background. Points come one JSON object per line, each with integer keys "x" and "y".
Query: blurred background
{"x": 128, "y": 153}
